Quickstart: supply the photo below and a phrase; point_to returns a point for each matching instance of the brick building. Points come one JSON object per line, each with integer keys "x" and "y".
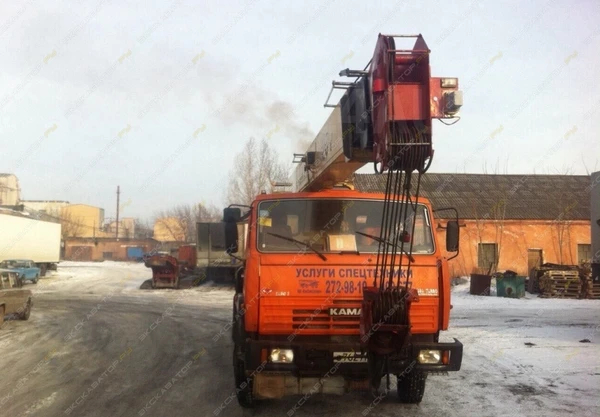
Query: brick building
{"x": 509, "y": 221}
{"x": 99, "y": 249}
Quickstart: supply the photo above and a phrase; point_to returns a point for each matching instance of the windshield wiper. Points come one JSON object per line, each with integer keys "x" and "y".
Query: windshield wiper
{"x": 289, "y": 239}
{"x": 380, "y": 240}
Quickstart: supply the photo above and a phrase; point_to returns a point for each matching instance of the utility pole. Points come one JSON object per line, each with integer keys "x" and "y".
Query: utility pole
{"x": 118, "y": 194}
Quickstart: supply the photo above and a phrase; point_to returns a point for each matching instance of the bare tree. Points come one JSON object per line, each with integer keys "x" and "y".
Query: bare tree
{"x": 498, "y": 213}
{"x": 142, "y": 229}
{"x": 208, "y": 213}
{"x": 180, "y": 221}
{"x": 562, "y": 228}
{"x": 255, "y": 169}
{"x": 494, "y": 216}
{"x": 478, "y": 230}
{"x": 69, "y": 225}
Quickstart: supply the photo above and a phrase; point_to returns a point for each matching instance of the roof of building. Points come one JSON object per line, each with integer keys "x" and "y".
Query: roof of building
{"x": 44, "y": 201}
{"x": 18, "y": 211}
{"x": 86, "y": 205}
{"x": 479, "y": 196}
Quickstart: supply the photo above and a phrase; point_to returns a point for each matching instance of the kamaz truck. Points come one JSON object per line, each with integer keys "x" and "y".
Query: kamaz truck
{"x": 340, "y": 289}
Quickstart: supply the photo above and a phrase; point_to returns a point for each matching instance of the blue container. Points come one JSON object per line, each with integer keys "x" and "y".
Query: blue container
{"x": 511, "y": 286}
{"x": 135, "y": 253}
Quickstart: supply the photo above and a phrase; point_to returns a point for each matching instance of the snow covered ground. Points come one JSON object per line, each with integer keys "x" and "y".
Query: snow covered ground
{"x": 521, "y": 356}
{"x": 124, "y": 279}
{"x": 544, "y": 351}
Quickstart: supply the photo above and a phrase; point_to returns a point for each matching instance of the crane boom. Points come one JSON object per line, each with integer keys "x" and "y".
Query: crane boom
{"x": 324, "y": 163}
{"x": 383, "y": 117}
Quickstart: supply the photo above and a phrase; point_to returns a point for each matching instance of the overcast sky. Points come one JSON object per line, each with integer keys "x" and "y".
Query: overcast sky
{"x": 158, "y": 96}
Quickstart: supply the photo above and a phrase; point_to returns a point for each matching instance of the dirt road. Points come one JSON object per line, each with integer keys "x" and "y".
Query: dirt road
{"x": 95, "y": 345}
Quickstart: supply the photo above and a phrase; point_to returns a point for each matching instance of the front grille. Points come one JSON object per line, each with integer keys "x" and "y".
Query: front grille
{"x": 313, "y": 319}
{"x": 312, "y": 316}
{"x": 310, "y": 326}
{"x": 321, "y": 320}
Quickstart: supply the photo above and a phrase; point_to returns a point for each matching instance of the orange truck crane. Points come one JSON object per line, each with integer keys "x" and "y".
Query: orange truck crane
{"x": 341, "y": 288}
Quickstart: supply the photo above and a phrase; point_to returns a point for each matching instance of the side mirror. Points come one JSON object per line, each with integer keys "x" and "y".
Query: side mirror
{"x": 452, "y": 236}
{"x": 231, "y": 215}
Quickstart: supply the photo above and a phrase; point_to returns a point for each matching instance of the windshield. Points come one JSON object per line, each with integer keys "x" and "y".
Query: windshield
{"x": 330, "y": 225}
{"x": 11, "y": 264}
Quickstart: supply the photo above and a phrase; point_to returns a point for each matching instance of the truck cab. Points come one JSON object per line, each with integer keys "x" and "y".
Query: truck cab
{"x": 297, "y": 309}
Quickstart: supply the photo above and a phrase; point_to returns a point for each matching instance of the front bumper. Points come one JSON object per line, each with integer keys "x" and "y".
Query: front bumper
{"x": 314, "y": 356}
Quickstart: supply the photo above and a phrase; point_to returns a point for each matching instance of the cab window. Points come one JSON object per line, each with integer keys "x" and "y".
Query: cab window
{"x": 330, "y": 225}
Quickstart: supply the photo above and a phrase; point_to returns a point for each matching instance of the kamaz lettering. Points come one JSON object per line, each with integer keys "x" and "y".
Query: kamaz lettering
{"x": 344, "y": 311}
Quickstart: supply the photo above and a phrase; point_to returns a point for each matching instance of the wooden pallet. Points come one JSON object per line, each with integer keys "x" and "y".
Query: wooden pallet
{"x": 536, "y": 274}
{"x": 560, "y": 284}
{"x": 563, "y": 274}
{"x": 560, "y": 295}
{"x": 590, "y": 289}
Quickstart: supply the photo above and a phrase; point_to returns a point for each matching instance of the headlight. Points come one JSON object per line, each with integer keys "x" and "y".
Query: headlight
{"x": 281, "y": 355}
{"x": 449, "y": 82}
{"x": 429, "y": 356}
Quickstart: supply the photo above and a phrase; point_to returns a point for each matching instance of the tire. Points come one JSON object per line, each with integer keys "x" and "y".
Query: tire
{"x": 243, "y": 384}
{"x": 27, "y": 312}
{"x": 239, "y": 281}
{"x": 1, "y": 315}
{"x": 35, "y": 280}
{"x": 411, "y": 387}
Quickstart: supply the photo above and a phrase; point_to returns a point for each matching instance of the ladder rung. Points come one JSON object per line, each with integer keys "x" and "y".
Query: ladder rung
{"x": 422, "y": 51}
{"x": 402, "y": 36}
{"x": 409, "y": 144}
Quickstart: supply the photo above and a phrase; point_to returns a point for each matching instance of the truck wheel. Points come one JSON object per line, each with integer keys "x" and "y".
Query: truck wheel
{"x": 35, "y": 280}
{"x": 26, "y": 313}
{"x": 243, "y": 384}
{"x": 411, "y": 387}
{"x": 239, "y": 281}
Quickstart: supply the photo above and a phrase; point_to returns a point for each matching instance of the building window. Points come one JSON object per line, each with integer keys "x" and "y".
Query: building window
{"x": 107, "y": 255}
{"x": 584, "y": 253}
{"x": 487, "y": 254}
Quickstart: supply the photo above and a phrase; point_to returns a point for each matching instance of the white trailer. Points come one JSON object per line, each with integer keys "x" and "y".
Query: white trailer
{"x": 24, "y": 236}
